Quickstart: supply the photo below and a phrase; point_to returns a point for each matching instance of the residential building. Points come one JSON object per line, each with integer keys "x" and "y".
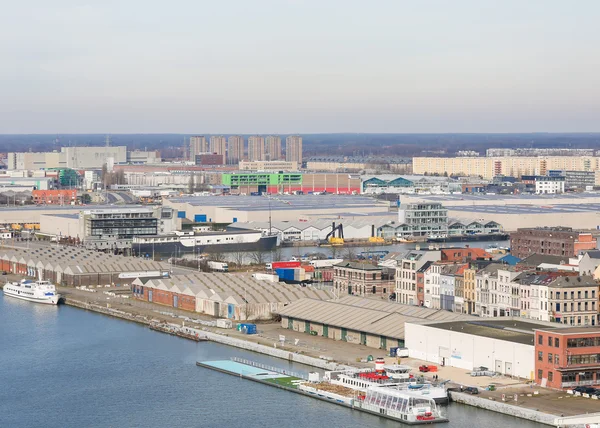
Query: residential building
{"x": 469, "y": 289}
{"x": 557, "y": 241}
{"x": 567, "y": 357}
{"x": 406, "y": 275}
{"x": 449, "y": 274}
{"x": 545, "y": 185}
{"x": 209, "y": 159}
{"x": 360, "y": 163}
{"x": 486, "y": 283}
{"x": 256, "y": 148}
{"x": 361, "y": 279}
{"x": 235, "y": 149}
{"x": 512, "y": 166}
{"x": 421, "y": 283}
{"x": 422, "y": 219}
{"x": 273, "y": 166}
{"x": 589, "y": 262}
{"x": 218, "y": 145}
{"x": 293, "y": 149}
{"x": 198, "y": 145}
{"x": 505, "y": 300}
{"x": 273, "y": 148}
{"x": 574, "y": 300}
{"x": 466, "y": 254}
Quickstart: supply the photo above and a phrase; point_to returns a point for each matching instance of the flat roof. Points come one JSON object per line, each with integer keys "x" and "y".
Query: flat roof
{"x": 573, "y": 330}
{"x": 508, "y": 330}
{"x": 72, "y": 216}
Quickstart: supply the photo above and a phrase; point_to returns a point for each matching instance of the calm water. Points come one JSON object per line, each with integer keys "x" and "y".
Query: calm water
{"x": 65, "y": 367}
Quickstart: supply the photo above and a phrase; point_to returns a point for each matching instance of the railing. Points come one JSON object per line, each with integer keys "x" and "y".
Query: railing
{"x": 580, "y": 383}
{"x": 269, "y": 368}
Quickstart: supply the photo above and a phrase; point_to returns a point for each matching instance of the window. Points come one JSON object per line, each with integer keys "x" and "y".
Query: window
{"x": 549, "y": 341}
{"x": 540, "y": 373}
{"x": 556, "y": 343}
{"x": 540, "y": 339}
{"x": 549, "y": 357}
{"x": 556, "y": 360}
{"x": 550, "y": 376}
{"x": 540, "y": 356}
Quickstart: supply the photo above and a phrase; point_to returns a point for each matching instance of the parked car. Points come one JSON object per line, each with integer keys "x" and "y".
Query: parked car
{"x": 471, "y": 390}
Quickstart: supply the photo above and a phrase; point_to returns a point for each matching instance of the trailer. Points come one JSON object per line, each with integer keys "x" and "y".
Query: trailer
{"x": 218, "y": 266}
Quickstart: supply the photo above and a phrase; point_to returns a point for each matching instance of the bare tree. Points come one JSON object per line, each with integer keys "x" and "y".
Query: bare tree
{"x": 276, "y": 254}
{"x": 334, "y": 252}
{"x": 238, "y": 256}
{"x": 349, "y": 253}
{"x": 258, "y": 257}
{"x": 191, "y": 185}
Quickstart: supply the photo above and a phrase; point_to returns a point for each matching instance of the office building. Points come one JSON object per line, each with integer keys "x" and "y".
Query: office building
{"x": 556, "y": 241}
{"x": 198, "y": 145}
{"x": 69, "y": 157}
{"x": 256, "y": 148}
{"x": 273, "y": 148}
{"x": 235, "y": 149}
{"x": 293, "y": 149}
{"x": 218, "y": 145}
{"x": 544, "y": 184}
{"x": 361, "y": 279}
{"x": 576, "y": 179}
{"x": 567, "y": 358}
{"x": 422, "y": 219}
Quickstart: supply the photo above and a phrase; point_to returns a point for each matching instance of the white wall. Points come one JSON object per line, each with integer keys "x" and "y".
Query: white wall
{"x": 467, "y": 351}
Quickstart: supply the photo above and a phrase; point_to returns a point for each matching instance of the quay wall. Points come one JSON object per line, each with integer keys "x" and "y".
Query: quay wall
{"x": 501, "y": 407}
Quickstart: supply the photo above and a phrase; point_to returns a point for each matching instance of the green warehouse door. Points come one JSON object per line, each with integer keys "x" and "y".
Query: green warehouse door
{"x": 344, "y": 334}
{"x": 325, "y": 330}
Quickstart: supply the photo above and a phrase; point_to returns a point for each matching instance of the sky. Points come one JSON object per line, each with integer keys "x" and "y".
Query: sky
{"x": 299, "y": 66}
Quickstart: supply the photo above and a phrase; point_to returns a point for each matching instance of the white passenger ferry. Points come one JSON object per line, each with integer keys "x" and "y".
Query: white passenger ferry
{"x": 34, "y": 291}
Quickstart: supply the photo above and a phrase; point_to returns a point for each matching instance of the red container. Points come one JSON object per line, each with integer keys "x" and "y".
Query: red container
{"x": 277, "y": 265}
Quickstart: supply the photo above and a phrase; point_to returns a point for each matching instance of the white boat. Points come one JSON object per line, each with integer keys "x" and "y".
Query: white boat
{"x": 438, "y": 393}
{"x": 402, "y": 406}
{"x": 33, "y": 291}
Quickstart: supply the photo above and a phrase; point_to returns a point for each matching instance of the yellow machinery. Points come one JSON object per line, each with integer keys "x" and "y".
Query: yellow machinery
{"x": 336, "y": 241}
{"x": 16, "y": 227}
{"x": 375, "y": 239}
{"x": 331, "y": 239}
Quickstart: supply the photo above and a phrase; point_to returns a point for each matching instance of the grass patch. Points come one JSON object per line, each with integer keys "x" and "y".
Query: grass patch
{"x": 284, "y": 381}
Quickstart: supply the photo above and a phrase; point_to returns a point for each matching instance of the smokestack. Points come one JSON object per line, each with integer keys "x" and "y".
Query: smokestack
{"x": 372, "y": 231}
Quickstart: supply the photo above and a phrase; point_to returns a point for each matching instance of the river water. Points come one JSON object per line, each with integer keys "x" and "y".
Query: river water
{"x": 66, "y": 367}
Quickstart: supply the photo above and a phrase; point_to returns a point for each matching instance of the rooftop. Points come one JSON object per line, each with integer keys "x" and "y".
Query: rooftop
{"x": 509, "y": 330}
{"x": 574, "y": 330}
{"x": 357, "y": 265}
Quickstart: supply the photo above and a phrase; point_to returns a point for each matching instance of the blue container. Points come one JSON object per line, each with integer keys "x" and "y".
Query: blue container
{"x": 285, "y": 273}
{"x": 247, "y": 328}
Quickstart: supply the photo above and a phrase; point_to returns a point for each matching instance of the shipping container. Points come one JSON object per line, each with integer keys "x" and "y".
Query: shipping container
{"x": 319, "y": 264}
{"x": 247, "y": 328}
{"x": 219, "y": 266}
{"x": 276, "y": 265}
{"x": 265, "y": 277}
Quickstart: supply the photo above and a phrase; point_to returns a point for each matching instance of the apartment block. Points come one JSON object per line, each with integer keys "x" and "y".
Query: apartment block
{"x": 293, "y": 149}
{"x": 235, "y": 149}
{"x": 273, "y": 148}
{"x": 406, "y": 275}
{"x": 198, "y": 145}
{"x": 557, "y": 241}
{"x": 218, "y": 145}
{"x": 256, "y": 148}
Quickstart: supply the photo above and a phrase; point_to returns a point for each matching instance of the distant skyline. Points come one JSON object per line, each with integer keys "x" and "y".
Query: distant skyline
{"x": 299, "y": 66}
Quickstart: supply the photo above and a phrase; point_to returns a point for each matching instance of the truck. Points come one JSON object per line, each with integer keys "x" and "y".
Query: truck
{"x": 320, "y": 264}
{"x": 277, "y": 265}
{"x": 218, "y": 266}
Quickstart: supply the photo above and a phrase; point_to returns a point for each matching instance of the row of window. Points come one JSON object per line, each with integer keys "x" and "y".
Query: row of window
{"x": 583, "y": 342}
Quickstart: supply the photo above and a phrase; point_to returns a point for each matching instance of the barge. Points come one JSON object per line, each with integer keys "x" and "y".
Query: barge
{"x": 384, "y": 402}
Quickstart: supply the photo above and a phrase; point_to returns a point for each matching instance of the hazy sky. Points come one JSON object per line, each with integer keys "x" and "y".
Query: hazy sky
{"x": 259, "y": 66}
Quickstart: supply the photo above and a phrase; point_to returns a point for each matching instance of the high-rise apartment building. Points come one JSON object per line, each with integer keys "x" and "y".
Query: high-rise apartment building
{"x": 235, "y": 149}
{"x": 293, "y": 149}
{"x": 273, "y": 148}
{"x": 218, "y": 145}
{"x": 198, "y": 144}
{"x": 256, "y": 148}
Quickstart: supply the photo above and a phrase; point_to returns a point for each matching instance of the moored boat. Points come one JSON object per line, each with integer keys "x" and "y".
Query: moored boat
{"x": 34, "y": 291}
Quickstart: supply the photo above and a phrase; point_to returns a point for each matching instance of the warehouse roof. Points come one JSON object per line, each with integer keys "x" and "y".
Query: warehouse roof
{"x": 538, "y": 259}
{"x": 509, "y": 330}
{"x": 366, "y": 315}
{"x": 357, "y": 265}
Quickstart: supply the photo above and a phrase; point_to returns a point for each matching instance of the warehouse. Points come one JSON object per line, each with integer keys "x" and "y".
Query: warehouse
{"x": 505, "y": 346}
{"x": 291, "y": 182}
{"x": 359, "y": 227}
{"x": 577, "y": 210}
{"x": 232, "y": 209}
{"x": 239, "y": 297}
{"x": 74, "y": 267}
{"x": 408, "y": 184}
{"x": 370, "y": 322}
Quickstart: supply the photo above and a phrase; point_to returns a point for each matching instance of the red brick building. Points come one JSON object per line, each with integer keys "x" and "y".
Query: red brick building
{"x": 54, "y": 197}
{"x": 567, "y": 357}
{"x": 463, "y": 255}
{"x": 555, "y": 241}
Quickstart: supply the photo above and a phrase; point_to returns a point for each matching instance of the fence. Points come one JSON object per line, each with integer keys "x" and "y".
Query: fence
{"x": 269, "y": 368}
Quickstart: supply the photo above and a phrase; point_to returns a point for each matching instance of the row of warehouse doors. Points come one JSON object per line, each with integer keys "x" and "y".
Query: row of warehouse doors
{"x": 344, "y": 333}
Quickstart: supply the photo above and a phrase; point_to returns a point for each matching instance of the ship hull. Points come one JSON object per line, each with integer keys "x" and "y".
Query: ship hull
{"x": 471, "y": 238}
{"x": 177, "y": 249}
{"x": 44, "y": 301}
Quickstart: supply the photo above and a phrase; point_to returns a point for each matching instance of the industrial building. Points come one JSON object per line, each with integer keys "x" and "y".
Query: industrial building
{"x": 292, "y": 182}
{"x": 231, "y": 209}
{"x": 239, "y": 297}
{"x": 109, "y": 228}
{"x": 505, "y": 346}
{"x": 79, "y": 158}
{"x": 577, "y": 210}
{"x": 359, "y": 163}
{"x": 73, "y": 266}
{"x": 370, "y": 322}
{"x": 273, "y": 165}
{"x": 314, "y": 230}
{"x": 408, "y": 184}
